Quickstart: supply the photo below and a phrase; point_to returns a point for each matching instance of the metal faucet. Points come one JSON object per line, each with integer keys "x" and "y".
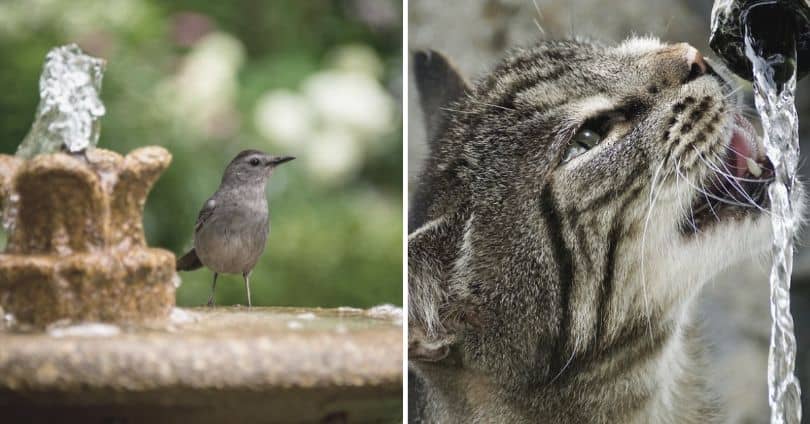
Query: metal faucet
{"x": 778, "y": 30}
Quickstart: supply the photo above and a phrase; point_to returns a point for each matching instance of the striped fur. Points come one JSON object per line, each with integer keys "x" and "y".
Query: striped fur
{"x": 543, "y": 291}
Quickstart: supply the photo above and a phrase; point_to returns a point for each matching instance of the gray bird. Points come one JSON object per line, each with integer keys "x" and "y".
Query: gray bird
{"x": 233, "y": 225}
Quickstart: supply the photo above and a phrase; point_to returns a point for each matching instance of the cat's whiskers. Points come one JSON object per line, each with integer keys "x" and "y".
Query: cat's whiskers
{"x": 491, "y": 105}
{"x": 734, "y": 93}
{"x": 738, "y": 187}
{"x": 749, "y": 114}
{"x": 567, "y": 363}
{"x": 690, "y": 216}
{"x": 734, "y": 103}
{"x": 653, "y": 200}
{"x": 735, "y": 181}
{"x": 539, "y": 16}
{"x": 708, "y": 205}
{"x": 703, "y": 191}
{"x": 728, "y": 172}
{"x": 746, "y": 110}
{"x": 687, "y": 210}
{"x": 702, "y": 208}
{"x": 539, "y": 28}
{"x": 537, "y": 8}
{"x": 466, "y": 112}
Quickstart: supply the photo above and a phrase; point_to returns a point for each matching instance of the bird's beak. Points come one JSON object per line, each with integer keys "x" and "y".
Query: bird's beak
{"x": 278, "y": 160}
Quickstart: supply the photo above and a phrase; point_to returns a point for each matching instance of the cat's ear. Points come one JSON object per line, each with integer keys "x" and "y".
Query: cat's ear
{"x": 431, "y": 253}
{"x": 439, "y": 84}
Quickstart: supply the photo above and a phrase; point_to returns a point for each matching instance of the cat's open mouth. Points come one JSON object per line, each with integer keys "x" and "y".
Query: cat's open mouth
{"x": 739, "y": 184}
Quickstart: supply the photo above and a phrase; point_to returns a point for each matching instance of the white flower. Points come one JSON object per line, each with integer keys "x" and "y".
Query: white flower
{"x": 357, "y": 59}
{"x": 205, "y": 88}
{"x": 209, "y": 71}
{"x": 284, "y": 117}
{"x": 354, "y": 101}
{"x": 333, "y": 155}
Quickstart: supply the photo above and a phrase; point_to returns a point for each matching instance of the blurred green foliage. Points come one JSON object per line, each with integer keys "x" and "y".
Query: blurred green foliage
{"x": 334, "y": 241}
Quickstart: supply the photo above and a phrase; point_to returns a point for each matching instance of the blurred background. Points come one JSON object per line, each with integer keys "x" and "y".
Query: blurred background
{"x": 318, "y": 79}
{"x": 734, "y": 309}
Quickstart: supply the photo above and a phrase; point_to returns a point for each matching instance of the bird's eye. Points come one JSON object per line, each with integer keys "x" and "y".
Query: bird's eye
{"x": 255, "y": 162}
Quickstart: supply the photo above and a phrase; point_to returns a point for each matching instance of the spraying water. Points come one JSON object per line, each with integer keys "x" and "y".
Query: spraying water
{"x": 70, "y": 107}
{"x": 774, "y": 88}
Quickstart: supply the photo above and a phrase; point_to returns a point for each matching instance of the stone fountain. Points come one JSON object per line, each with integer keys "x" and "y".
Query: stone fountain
{"x": 76, "y": 250}
{"x": 76, "y": 247}
{"x": 88, "y": 327}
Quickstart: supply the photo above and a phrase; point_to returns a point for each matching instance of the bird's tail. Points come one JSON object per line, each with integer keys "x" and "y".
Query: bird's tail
{"x": 189, "y": 261}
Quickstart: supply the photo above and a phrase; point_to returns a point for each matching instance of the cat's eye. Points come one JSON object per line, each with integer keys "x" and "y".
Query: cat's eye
{"x": 255, "y": 161}
{"x": 586, "y": 138}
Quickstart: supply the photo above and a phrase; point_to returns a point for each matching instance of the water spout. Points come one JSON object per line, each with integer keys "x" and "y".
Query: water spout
{"x": 777, "y": 28}
{"x": 768, "y": 42}
{"x": 70, "y": 107}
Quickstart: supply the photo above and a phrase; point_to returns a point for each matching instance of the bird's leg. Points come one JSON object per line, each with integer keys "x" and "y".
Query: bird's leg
{"x": 246, "y": 276}
{"x": 213, "y": 290}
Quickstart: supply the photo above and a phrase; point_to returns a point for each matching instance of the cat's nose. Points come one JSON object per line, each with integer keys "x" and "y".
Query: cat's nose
{"x": 695, "y": 62}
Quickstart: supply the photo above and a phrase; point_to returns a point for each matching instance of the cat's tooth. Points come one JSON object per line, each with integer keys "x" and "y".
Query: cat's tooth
{"x": 753, "y": 167}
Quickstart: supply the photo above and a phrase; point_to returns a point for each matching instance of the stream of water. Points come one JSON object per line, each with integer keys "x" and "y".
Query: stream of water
{"x": 70, "y": 109}
{"x": 775, "y": 102}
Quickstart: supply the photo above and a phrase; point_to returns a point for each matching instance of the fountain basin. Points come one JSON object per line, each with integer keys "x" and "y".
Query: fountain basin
{"x": 210, "y": 365}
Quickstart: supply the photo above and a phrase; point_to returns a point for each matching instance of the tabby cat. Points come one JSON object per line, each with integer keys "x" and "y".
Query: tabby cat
{"x": 574, "y": 202}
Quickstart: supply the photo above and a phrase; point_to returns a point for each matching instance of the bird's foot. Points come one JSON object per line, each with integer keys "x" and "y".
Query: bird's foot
{"x": 211, "y": 302}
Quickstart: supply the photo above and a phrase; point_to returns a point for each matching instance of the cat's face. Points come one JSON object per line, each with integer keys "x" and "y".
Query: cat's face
{"x": 591, "y": 191}
{"x": 639, "y": 140}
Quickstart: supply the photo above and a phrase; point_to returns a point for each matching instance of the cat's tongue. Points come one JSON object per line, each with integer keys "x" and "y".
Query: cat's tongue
{"x": 745, "y": 152}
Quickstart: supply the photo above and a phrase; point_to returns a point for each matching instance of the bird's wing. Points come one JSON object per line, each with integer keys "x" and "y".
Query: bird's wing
{"x": 205, "y": 213}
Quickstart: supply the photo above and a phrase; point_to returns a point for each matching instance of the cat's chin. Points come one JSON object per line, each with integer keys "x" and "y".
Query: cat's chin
{"x": 738, "y": 238}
